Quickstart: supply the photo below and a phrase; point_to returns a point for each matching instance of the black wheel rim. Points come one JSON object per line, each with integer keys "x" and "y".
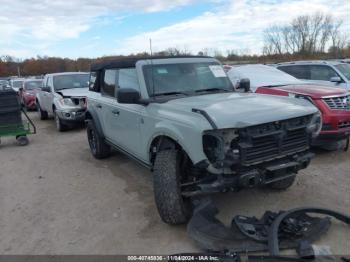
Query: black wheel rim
{"x": 92, "y": 141}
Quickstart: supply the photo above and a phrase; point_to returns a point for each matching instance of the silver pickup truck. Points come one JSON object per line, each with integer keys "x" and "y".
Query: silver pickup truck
{"x": 63, "y": 96}
{"x": 181, "y": 118}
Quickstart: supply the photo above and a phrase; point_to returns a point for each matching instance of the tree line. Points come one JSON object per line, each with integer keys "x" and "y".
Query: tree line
{"x": 316, "y": 36}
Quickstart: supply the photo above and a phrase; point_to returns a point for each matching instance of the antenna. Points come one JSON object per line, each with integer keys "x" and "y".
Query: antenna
{"x": 152, "y": 72}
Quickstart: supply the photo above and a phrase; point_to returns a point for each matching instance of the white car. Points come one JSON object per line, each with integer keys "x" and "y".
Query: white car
{"x": 17, "y": 83}
{"x": 63, "y": 95}
{"x": 332, "y": 73}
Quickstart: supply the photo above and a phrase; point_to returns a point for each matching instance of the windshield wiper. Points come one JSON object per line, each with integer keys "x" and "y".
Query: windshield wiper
{"x": 214, "y": 89}
{"x": 171, "y": 93}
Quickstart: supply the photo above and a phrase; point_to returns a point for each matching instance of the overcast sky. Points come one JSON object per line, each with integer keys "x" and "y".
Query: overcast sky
{"x": 92, "y": 28}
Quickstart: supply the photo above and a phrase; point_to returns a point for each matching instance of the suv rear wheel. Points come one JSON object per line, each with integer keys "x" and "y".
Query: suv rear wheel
{"x": 98, "y": 147}
{"x": 172, "y": 207}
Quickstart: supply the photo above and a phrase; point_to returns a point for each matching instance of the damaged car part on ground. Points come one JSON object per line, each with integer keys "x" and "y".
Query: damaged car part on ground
{"x": 285, "y": 229}
{"x": 180, "y": 117}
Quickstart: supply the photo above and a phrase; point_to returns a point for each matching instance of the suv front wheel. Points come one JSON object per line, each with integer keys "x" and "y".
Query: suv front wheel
{"x": 173, "y": 208}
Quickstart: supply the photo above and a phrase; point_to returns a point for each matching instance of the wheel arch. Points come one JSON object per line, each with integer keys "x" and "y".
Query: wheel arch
{"x": 164, "y": 142}
{"x": 91, "y": 115}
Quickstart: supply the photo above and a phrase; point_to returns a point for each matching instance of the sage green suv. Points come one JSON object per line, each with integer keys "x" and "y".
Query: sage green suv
{"x": 180, "y": 117}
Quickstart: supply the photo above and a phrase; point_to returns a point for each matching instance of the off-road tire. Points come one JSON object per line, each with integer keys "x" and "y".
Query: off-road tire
{"x": 42, "y": 114}
{"x": 59, "y": 125}
{"x": 172, "y": 207}
{"x": 98, "y": 146}
{"x": 282, "y": 184}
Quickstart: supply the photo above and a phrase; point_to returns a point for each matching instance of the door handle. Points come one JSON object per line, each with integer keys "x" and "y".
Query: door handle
{"x": 98, "y": 106}
{"x": 116, "y": 112}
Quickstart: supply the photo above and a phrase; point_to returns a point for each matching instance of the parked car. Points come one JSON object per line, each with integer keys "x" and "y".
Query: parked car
{"x": 4, "y": 83}
{"x": 332, "y": 73}
{"x": 181, "y": 118}
{"x": 28, "y": 92}
{"x": 333, "y": 103}
{"x": 63, "y": 96}
{"x": 16, "y": 83}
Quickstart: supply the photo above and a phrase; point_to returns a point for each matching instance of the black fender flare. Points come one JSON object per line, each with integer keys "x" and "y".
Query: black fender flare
{"x": 273, "y": 242}
{"x": 91, "y": 115}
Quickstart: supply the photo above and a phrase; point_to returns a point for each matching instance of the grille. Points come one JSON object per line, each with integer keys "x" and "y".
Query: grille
{"x": 344, "y": 124}
{"x": 79, "y": 101}
{"x": 274, "y": 140}
{"x": 338, "y": 103}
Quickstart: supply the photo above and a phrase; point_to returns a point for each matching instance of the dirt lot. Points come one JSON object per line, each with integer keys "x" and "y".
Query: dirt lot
{"x": 55, "y": 198}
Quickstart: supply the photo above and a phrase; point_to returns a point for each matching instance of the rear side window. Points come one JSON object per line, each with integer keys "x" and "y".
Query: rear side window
{"x": 109, "y": 83}
{"x": 298, "y": 71}
{"x": 127, "y": 78}
{"x": 320, "y": 72}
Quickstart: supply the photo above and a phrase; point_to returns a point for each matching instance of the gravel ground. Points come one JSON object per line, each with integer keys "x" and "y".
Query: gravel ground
{"x": 55, "y": 198}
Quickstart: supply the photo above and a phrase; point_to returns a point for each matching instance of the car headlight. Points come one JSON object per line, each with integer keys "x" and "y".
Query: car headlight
{"x": 67, "y": 102}
{"x": 315, "y": 124}
{"x": 307, "y": 98}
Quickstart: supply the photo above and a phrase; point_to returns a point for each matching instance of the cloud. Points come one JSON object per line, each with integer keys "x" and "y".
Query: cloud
{"x": 235, "y": 25}
{"x": 52, "y": 21}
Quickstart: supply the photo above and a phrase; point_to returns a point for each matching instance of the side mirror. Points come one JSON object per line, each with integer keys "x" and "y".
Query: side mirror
{"x": 336, "y": 79}
{"x": 244, "y": 84}
{"x": 128, "y": 96}
{"x": 46, "y": 89}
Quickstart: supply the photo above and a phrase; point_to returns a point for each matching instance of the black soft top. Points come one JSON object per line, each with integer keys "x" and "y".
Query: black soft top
{"x": 131, "y": 62}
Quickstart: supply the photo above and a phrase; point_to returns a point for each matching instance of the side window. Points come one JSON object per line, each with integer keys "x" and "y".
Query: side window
{"x": 298, "y": 71}
{"x": 108, "y": 87}
{"x": 127, "y": 78}
{"x": 92, "y": 81}
{"x": 320, "y": 72}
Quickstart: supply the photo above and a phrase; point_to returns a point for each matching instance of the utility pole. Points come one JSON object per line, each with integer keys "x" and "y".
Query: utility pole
{"x": 18, "y": 71}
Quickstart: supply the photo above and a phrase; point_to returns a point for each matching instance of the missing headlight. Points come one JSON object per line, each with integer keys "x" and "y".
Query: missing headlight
{"x": 220, "y": 146}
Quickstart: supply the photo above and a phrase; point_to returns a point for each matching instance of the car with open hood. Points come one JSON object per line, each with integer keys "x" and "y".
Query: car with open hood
{"x": 63, "y": 96}
{"x": 181, "y": 118}
{"x": 332, "y": 102}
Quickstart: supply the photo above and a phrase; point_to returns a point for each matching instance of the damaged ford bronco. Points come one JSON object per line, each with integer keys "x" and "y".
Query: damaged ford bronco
{"x": 180, "y": 117}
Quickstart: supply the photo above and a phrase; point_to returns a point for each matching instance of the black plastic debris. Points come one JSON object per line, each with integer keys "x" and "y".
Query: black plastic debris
{"x": 251, "y": 236}
{"x": 274, "y": 240}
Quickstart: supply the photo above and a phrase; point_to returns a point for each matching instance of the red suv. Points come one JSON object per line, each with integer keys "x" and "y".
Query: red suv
{"x": 28, "y": 92}
{"x": 333, "y": 103}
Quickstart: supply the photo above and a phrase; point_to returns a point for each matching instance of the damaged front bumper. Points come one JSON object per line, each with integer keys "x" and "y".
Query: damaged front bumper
{"x": 70, "y": 116}
{"x": 255, "y": 176}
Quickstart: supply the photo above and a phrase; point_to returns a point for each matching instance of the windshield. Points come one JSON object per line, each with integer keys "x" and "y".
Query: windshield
{"x": 70, "y": 81}
{"x": 185, "y": 78}
{"x": 3, "y": 82}
{"x": 31, "y": 85}
{"x": 261, "y": 75}
{"x": 344, "y": 69}
{"x": 17, "y": 84}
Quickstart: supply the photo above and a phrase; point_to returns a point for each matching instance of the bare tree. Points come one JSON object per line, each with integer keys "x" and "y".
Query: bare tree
{"x": 306, "y": 34}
